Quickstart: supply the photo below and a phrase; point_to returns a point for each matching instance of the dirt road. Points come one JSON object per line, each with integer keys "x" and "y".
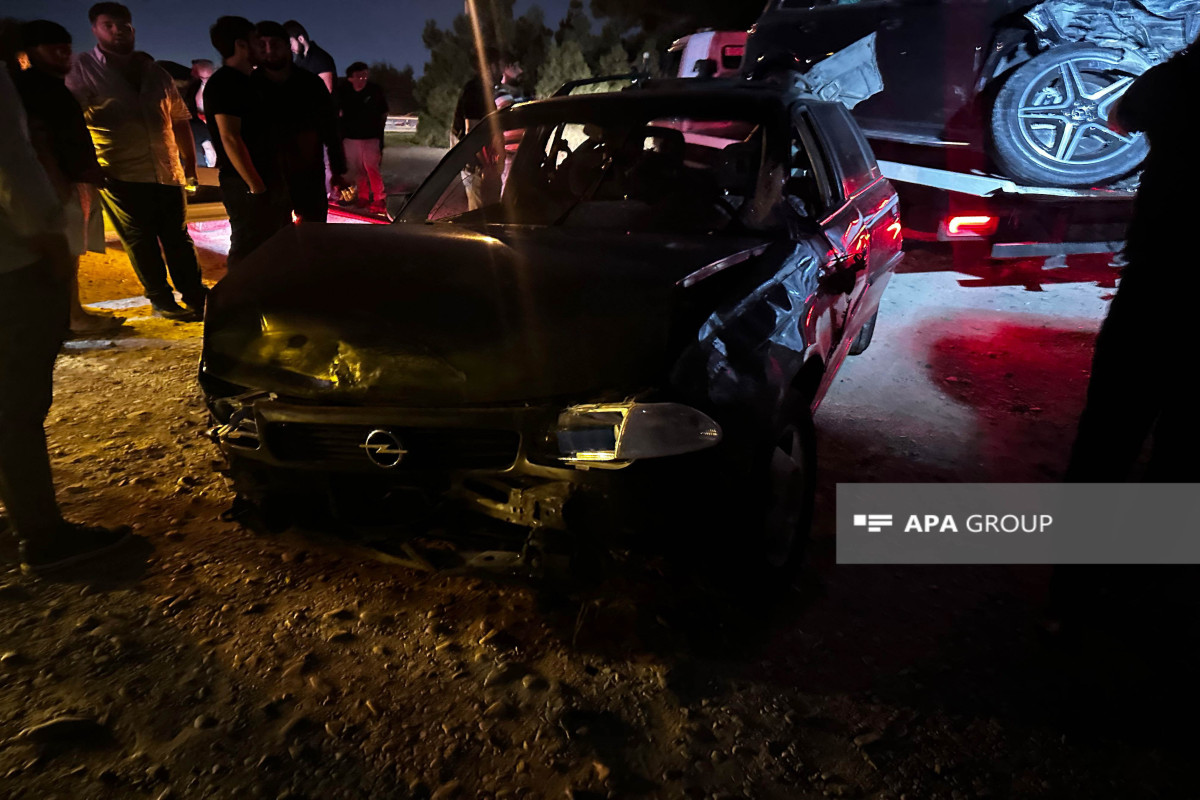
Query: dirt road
{"x": 217, "y": 664}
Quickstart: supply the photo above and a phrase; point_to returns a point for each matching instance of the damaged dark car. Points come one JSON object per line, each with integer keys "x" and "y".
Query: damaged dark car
{"x": 602, "y": 318}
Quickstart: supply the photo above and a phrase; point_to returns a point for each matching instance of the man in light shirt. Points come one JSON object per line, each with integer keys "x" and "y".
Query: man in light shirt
{"x": 142, "y": 132}
{"x": 35, "y": 277}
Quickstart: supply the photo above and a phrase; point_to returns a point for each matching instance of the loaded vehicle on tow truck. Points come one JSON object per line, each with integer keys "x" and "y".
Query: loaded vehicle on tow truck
{"x": 991, "y": 116}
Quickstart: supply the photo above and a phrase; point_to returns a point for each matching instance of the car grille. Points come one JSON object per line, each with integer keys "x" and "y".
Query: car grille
{"x": 426, "y": 448}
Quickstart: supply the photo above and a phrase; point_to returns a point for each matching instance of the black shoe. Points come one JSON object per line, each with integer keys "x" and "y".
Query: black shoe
{"x": 72, "y": 544}
{"x": 176, "y": 313}
{"x": 195, "y": 302}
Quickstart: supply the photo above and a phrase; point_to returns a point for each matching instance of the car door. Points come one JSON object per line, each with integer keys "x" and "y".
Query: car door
{"x": 845, "y": 276}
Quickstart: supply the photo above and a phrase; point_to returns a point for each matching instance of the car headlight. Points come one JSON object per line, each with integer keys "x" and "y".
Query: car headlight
{"x": 618, "y": 433}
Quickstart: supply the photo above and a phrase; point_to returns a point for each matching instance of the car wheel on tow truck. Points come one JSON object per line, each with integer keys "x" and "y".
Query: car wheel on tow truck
{"x": 1049, "y": 119}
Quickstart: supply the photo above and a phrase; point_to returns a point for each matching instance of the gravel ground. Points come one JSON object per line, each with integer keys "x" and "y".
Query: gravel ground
{"x": 211, "y": 662}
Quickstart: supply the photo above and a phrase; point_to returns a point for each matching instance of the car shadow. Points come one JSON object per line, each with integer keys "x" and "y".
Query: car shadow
{"x": 1032, "y": 273}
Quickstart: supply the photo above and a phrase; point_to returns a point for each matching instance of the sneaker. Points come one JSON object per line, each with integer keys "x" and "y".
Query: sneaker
{"x": 74, "y": 543}
{"x": 176, "y": 313}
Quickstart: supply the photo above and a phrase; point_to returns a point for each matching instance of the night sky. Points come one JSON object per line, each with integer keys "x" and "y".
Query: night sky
{"x": 351, "y": 30}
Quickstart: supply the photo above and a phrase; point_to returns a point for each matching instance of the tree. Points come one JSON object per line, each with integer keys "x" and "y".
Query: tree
{"x": 452, "y": 59}
{"x": 564, "y": 62}
{"x": 398, "y": 86}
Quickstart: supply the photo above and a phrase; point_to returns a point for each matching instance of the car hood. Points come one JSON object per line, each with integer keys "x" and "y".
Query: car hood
{"x": 440, "y": 314}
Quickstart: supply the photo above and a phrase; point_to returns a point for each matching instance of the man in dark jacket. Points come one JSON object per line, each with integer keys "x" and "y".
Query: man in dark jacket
{"x": 1138, "y": 385}
{"x": 364, "y": 113}
{"x": 304, "y": 121}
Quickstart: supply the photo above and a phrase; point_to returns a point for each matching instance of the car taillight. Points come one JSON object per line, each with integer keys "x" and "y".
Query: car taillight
{"x": 971, "y": 225}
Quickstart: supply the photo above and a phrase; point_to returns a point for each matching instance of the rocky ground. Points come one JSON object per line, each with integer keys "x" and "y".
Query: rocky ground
{"x": 210, "y": 662}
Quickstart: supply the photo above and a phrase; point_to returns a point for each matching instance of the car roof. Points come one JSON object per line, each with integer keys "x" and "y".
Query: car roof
{"x": 710, "y": 96}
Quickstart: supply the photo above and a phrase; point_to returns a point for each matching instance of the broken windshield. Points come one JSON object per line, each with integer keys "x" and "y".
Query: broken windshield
{"x": 678, "y": 174}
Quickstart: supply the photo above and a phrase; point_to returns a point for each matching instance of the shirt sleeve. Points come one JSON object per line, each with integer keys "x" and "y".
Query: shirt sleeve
{"x": 175, "y": 105}
{"x": 1145, "y": 101}
{"x": 26, "y": 196}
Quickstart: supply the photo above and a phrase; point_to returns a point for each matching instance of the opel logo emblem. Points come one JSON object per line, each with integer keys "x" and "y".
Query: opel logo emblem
{"x": 383, "y": 448}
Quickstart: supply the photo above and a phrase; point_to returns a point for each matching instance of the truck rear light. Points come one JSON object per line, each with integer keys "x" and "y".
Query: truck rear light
{"x": 971, "y": 225}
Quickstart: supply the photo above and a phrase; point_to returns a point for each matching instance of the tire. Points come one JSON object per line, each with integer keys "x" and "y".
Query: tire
{"x": 863, "y": 340}
{"x": 1048, "y": 120}
{"x": 787, "y": 478}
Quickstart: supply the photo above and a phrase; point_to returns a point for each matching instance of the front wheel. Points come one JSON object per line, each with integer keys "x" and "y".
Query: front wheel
{"x": 1049, "y": 120}
{"x": 791, "y": 484}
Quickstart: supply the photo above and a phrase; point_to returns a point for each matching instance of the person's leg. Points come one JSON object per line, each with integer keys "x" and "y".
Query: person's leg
{"x": 309, "y": 199}
{"x": 1123, "y": 396}
{"x": 131, "y": 207}
{"x": 372, "y": 157}
{"x": 1176, "y": 441}
{"x": 178, "y": 246}
{"x": 472, "y": 180}
{"x": 354, "y": 166}
{"x": 33, "y": 323}
{"x": 252, "y": 219}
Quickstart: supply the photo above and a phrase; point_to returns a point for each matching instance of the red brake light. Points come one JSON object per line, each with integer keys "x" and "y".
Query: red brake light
{"x": 733, "y": 50}
{"x": 971, "y": 225}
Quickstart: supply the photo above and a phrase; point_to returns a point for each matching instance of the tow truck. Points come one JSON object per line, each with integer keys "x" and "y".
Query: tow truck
{"x": 946, "y": 193}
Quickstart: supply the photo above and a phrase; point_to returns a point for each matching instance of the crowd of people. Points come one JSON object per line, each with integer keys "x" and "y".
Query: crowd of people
{"x": 109, "y": 129}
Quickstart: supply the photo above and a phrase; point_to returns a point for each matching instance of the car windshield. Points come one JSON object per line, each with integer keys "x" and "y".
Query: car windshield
{"x": 685, "y": 173}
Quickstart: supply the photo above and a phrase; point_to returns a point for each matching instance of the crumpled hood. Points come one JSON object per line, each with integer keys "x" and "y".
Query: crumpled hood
{"x": 440, "y": 314}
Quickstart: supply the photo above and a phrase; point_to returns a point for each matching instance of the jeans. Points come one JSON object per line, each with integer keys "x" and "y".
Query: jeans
{"x": 33, "y": 323}
{"x": 252, "y": 218}
{"x": 362, "y": 158}
{"x": 148, "y": 216}
{"x": 1140, "y": 385}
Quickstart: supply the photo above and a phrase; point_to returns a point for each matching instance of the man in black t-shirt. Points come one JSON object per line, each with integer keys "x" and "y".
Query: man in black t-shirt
{"x": 1136, "y": 387}
{"x": 363, "y": 113}
{"x": 307, "y": 54}
{"x": 251, "y": 183}
{"x": 482, "y": 179}
{"x": 303, "y": 121}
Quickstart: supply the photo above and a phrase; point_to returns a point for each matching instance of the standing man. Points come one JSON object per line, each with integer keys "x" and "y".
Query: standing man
{"x": 309, "y": 55}
{"x": 364, "y": 113}
{"x": 60, "y": 138}
{"x": 141, "y": 130}
{"x": 34, "y": 278}
{"x": 251, "y": 182}
{"x": 482, "y": 178}
{"x": 1137, "y": 386}
{"x": 193, "y": 97}
{"x": 304, "y": 124}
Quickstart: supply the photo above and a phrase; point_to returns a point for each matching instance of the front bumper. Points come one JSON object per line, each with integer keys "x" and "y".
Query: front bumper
{"x": 494, "y": 460}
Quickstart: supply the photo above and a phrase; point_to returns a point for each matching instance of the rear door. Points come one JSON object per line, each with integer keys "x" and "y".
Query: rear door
{"x": 865, "y": 229}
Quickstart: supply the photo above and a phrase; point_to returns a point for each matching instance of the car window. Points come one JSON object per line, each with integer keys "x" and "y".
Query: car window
{"x": 669, "y": 174}
{"x": 847, "y": 149}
